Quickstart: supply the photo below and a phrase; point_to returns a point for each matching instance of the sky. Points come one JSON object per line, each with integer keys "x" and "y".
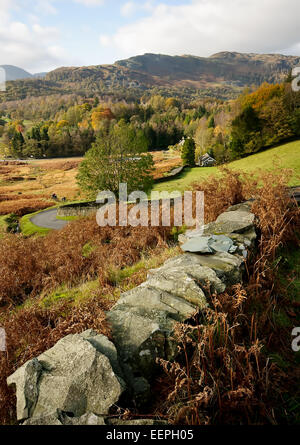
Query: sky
{"x": 41, "y": 35}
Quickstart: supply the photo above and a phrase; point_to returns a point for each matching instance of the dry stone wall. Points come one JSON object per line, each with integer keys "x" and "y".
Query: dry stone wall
{"x": 84, "y": 376}
{"x": 80, "y": 209}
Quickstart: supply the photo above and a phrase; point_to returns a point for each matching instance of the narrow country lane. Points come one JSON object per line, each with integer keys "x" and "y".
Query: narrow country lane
{"x": 47, "y": 220}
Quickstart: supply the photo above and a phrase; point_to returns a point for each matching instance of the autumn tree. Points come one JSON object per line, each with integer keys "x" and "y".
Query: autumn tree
{"x": 116, "y": 157}
{"x": 100, "y": 115}
{"x": 246, "y": 133}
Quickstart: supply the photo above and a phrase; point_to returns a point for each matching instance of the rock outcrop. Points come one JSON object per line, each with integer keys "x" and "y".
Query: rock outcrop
{"x": 83, "y": 377}
{"x": 74, "y": 376}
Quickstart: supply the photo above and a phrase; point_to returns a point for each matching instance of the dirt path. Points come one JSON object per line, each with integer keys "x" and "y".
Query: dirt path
{"x": 47, "y": 220}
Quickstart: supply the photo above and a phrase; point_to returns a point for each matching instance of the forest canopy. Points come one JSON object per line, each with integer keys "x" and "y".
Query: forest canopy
{"x": 63, "y": 126}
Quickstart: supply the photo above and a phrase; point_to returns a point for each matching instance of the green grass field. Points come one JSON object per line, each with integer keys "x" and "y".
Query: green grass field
{"x": 287, "y": 156}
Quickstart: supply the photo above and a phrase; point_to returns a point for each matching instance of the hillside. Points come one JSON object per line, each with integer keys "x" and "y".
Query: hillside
{"x": 222, "y": 75}
{"x": 235, "y": 68}
{"x": 285, "y": 156}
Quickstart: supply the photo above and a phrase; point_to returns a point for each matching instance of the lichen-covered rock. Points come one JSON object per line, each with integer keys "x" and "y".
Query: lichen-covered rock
{"x": 209, "y": 244}
{"x": 243, "y": 206}
{"x": 235, "y": 222}
{"x": 140, "y": 336}
{"x": 247, "y": 238}
{"x": 89, "y": 419}
{"x": 73, "y": 377}
{"x": 148, "y": 297}
{"x": 222, "y": 243}
{"x": 103, "y": 345}
{"x": 193, "y": 266}
{"x": 180, "y": 284}
{"x": 237, "y": 219}
{"x": 26, "y": 381}
{"x": 227, "y": 267}
{"x": 61, "y": 418}
{"x": 198, "y": 244}
{"x": 48, "y": 420}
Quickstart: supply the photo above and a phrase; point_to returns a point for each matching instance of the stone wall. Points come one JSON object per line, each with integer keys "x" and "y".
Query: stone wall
{"x": 80, "y": 209}
{"x": 83, "y": 376}
{"x": 172, "y": 175}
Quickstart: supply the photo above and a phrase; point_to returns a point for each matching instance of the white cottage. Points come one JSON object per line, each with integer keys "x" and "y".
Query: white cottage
{"x": 206, "y": 161}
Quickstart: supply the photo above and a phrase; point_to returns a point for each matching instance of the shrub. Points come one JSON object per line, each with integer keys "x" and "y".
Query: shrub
{"x": 31, "y": 265}
{"x": 22, "y": 207}
{"x": 12, "y": 222}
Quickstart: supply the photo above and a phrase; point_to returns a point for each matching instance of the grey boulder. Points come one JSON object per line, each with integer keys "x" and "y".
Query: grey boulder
{"x": 199, "y": 244}
{"x": 74, "y": 377}
{"x": 180, "y": 284}
{"x": 60, "y": 418}
{"x": 237, "y": 221}
{"x": 26, "y": 380}
{"x": 146, "y": 337}
{"x": 89, "y": 419}
{"x": 209, "y": 244}
{"x": 192, "y": 266}
{"x": 243, "y": 206}
{"x": 148, "y": 297}
{"x": 227, "y": 267}
{"x": 47, "y": 420}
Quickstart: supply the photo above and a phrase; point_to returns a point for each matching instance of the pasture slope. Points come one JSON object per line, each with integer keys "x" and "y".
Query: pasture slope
{"x": 284, "y": 156}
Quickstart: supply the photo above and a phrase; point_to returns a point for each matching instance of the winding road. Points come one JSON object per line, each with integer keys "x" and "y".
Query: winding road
{"x": 47, "y": 220}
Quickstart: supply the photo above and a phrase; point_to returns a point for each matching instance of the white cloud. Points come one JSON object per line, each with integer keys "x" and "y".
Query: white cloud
{"x": 105, "y": 40}
{"x": 33, "y": 18}
{"x": 203, "y": 27}
{"x": 128, "y": 9}
{"x": 46, "y": 32}
{"x": 91, "y": 2}
{"x": 46, "y": 7}
{"x": 32, "y": 47}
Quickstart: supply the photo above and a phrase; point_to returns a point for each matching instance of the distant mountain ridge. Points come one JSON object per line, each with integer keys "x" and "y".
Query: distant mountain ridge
{"x": 224, "y": 66}
{"x": 15, "y": 73}
{"x": 222, "y": 75}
